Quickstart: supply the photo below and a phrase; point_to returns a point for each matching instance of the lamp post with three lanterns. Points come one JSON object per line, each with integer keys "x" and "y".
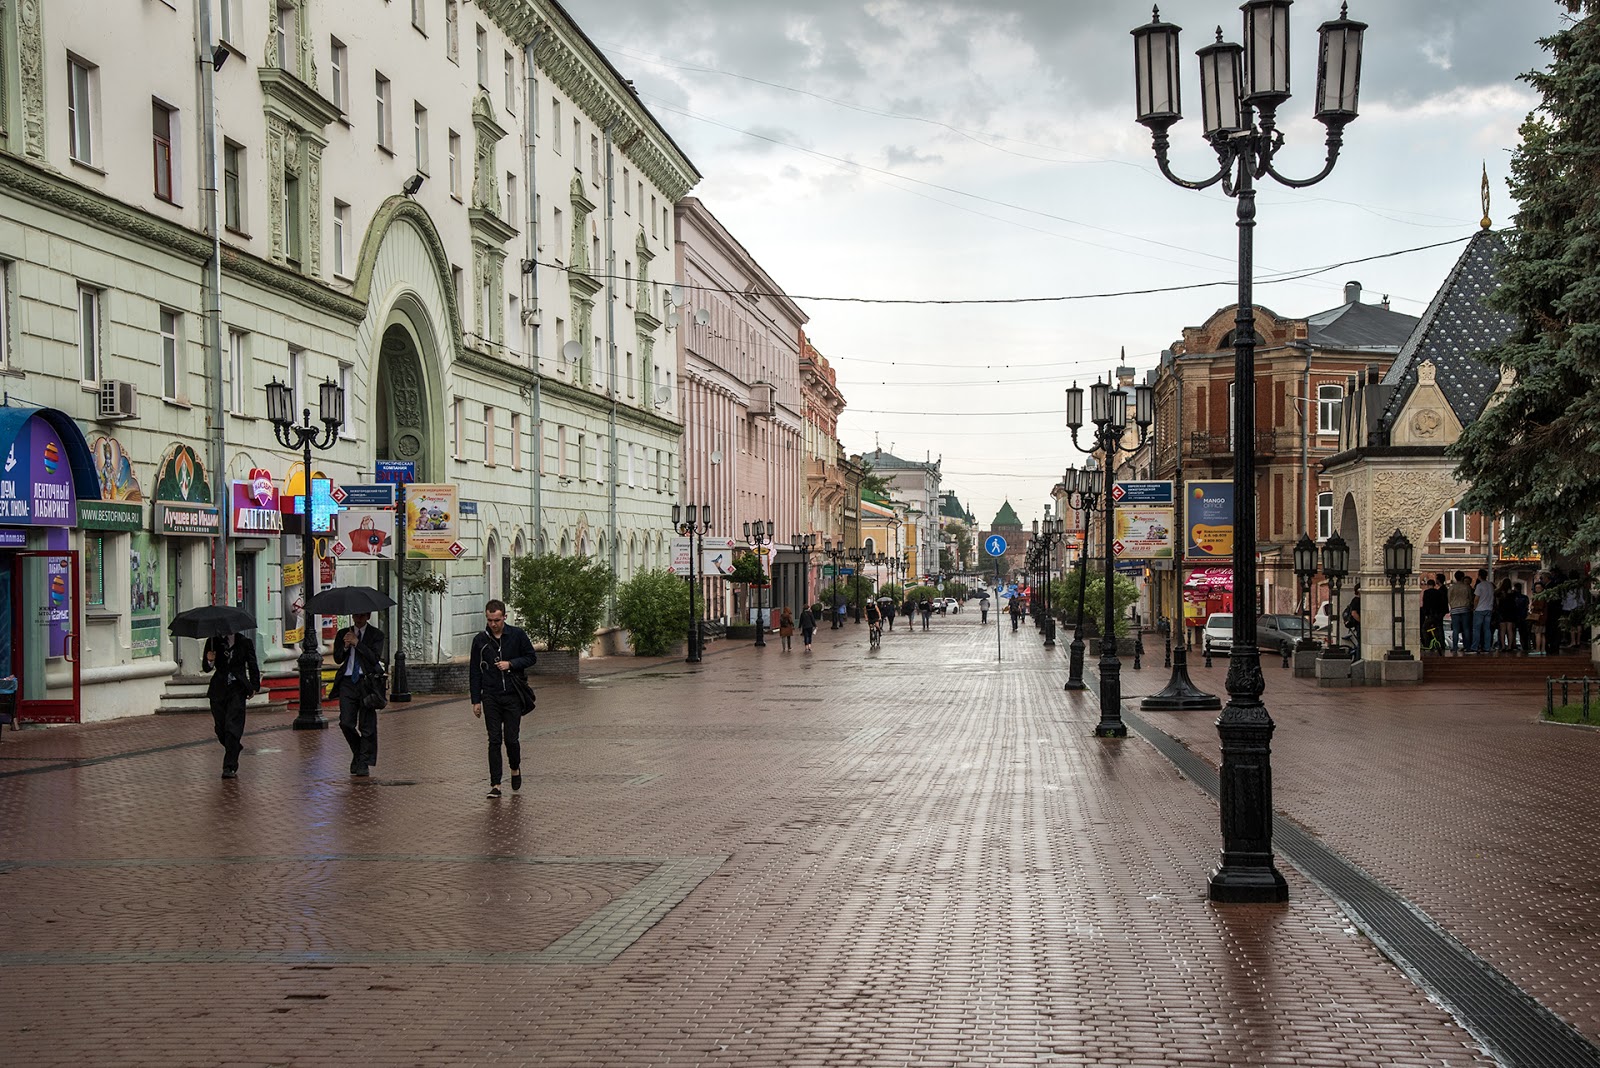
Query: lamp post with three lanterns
{"x": 301, "y": 436}
{"x": 1083, "y": 495}
{"x": 1241, "y": 88}
{"x": 695, "y": 532}
{"x": 759, "y": 533}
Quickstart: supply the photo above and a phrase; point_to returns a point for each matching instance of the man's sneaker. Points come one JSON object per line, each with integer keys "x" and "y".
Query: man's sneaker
{"x": 494, "y": 791}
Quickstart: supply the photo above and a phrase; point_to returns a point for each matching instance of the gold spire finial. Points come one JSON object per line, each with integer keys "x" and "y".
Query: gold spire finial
{"x": 1484, "y": 222}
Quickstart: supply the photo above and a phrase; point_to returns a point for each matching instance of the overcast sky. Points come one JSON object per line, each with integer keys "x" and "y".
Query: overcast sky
{"x": 891, "y": 150}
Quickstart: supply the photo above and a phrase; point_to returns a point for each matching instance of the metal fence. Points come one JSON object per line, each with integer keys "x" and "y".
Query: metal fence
{"x": 1590, "y": 693}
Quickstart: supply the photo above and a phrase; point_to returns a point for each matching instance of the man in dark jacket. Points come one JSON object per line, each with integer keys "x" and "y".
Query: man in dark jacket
{"x": 496, "y": 674}
{"x": 358, "y": 652}
{"x": 235, "y": 678}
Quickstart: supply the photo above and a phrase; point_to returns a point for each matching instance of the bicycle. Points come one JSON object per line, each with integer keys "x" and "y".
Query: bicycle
{"x": 874, "y": 635}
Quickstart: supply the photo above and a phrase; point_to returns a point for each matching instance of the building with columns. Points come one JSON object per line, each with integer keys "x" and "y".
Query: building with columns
{"x": 738, "y": 352}
{"x": 460, "y": 214}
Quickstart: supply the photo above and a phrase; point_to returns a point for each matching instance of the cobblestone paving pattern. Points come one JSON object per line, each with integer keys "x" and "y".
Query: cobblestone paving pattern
{"x": 912, "y": 856}
{"x": 1454, "y": 796}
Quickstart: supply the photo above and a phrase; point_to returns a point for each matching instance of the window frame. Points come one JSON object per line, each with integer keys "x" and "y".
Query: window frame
{"x": 511, "y": 83}
{"x": 516, "y": 441}
{"x": 1324, "y": 516}
{"x": 83, "y": 110}
{"x": 452, "y": 31}
{"x": 293, "y": 220}
{"x": 458, "y": 442}
{"x": 339, "y": 73}
{"x": 1327, "y": 405}
{"x": 347, "y": 382}
{"x": 234, "y": 162}
{"x": 6, "y": 267}
{"x": 95, "y": 334}
{"x": 419, "y": 16}
{"x": 419, "y": 136}
{"x": 162, "y": 148}
{"x": 341, "y": 238}
{"x": 489, "y": 458}
{"x": 385, "y": 112}
{"x": 511, "y": 198}
{"x": 454, "y": 143}
{"x": 1460, "y": 523}
{"x": 238, "y": 372}
{"x": 94, "y": 569}
{"x": 481, "y": 40}
{"x": 170, "y": 327}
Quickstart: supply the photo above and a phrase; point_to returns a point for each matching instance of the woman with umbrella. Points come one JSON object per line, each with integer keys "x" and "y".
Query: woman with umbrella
{"x": 230, "y": 660}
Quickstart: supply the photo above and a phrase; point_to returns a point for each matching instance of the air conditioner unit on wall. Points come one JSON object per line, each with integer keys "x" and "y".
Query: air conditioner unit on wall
{"x": 118, "y": 400}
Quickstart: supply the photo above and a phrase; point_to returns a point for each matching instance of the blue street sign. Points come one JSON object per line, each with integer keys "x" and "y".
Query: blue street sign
{"x": 363, "y": 495}
{"x": 397, "y": 471}
{"x": 994, "y": 545}
{"x": 467, "y": 507}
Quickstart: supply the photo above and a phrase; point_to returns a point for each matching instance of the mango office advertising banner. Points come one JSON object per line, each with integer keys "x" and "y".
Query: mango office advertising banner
{"x": 1208, "y": 519}
{"x": 433, "y": 524}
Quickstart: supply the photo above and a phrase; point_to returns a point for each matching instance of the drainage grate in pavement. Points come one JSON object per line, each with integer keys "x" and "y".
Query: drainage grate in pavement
{"x": 1520, "y": 1032}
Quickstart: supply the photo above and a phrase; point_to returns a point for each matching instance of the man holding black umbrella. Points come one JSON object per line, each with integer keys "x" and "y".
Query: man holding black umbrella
{"x": 358, "y": 652}
{"x": 235, "y": 678}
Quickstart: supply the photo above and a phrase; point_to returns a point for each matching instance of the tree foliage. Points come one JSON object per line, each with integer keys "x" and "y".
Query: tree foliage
{"x": 872, "y": 484}
{"x": 1064, "y": 600}
{"x": 654, "y": 607}
{"x": 849, "y": 588}
{"x": 1534, "y": 455}
{"x": 560, "y": 599}
{"x": 747, "y": 569}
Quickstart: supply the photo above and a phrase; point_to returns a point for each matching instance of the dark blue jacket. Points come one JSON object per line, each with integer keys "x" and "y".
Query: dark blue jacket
{"x": 487, "y": 650}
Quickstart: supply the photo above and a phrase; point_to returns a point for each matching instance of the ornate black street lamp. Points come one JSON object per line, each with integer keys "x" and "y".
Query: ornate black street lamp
{"x": 1305, "y": 569}
{"x": 695, "y": 532}
{"x": 834, "y": 551}
{"x": 1335, "y": 566}
{"x": 1397, "y": 558}
{"x": 280, "y": 409}
{"x": 1109, "y": 413}
{"x": 1049, "y": 535}
{"x": 856, "y": 555}
{"x": 805, "y": 545}
{"x": 1083, "y": 494}
{"x": 759, "y": 533}
{"x": 1236, "y": 84}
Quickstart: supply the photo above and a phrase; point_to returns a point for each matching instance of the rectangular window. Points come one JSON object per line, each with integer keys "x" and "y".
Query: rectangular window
{"x": 89, "y": 334}
{"x": 577, "y": 145}
{"x": 161, "y": 138}
{"x": 5, "y": 313}
{"x": 597, "y": 460}
{"x": 419, "y": 134}
{"x": 229, "y": 20}
{"x": 511, "y": 83}
{"x": 338, "y": 65}
{"x": 233, "y": 161}
{"x": 483, "y": 58}
{"x": 347, "y": 375}
{"x": 653, "y": 231}
{"x": 488, "y": 436}
{"x": 1324, "y": 516}
{"x": 511, "y": 198}
{"x": 238, "y": 373}
{"x": 297, "y": 371}
{"x": 419, "y": 14}
{"x": 561, "y": 341}
{"x": 458, "y": 415}
{"x": 341, "y": 238}
{"x": 555, "y": 123}
{"x": 630, "y": 463}
{"x": 83, "y": 83}
{"x": 561, "y": 451}
{"x": 559, "y": 236}
{"x": 627, "y": 191}
{"x": 291, "y": 218}
{"x": 1330, "y": 408}
{"x": 516, "y": 442}
{"x": 455, "y": 164}
{"x": 1454, "y": 526}
{"x": 640, "y": 201}
{"x": 452, "y": 30}
{"x": 630, "y": 374}
{"x": 170, "y": 380}
{"x": 583, "y": 457}
{"x": 594, "y": 159}
{"x": 385, "y": 119}
{"x": 94, "y": 569}
{"x": 627, "y": 282}
{"x": 288, "y": 37}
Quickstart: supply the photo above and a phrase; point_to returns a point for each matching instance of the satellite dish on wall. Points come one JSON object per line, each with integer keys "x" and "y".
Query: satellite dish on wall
{"x": 677, "y": 296}
{"x": 672, "y": 320}
{"x": 572, "y": 352}
{"x": 663, "y": 395}
{"x": 716, "y": 456}
{"x": 702, "y": 317}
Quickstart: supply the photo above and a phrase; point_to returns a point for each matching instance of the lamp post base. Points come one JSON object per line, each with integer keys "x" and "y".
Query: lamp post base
{"x": 310, "y": 717}
{"x": 1251, "y": 884}
{"x": 1111, "y": 728}
{"x": 1181, "y": 694}
{"x": 1075, "y": 664}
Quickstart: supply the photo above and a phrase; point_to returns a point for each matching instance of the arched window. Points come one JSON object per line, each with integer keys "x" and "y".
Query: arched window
{"x": 1324, "y": 516}
{"x": 565, "y": 548}
{"x": 491, "y": 569}
{"x": 1330, "y": 409}
{"x": 1453, "y": 527}
{"x": 867, "y": 546}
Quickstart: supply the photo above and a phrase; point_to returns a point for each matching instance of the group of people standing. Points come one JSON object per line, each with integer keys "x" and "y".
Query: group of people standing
{"x": 1487, "y": 617}
{"x": 497, "y": 682}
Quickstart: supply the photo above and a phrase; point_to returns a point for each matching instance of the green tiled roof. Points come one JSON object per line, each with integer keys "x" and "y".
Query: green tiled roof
{"x": 1006, "y": 517}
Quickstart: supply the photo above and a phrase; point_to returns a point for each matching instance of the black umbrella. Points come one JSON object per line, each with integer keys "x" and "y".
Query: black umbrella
{"x": 349, "y": 601}
{"x": 210, "y": 620}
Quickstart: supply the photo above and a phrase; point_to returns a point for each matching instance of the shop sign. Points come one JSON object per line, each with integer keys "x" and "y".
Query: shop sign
{"x": 36, "y": 479}
{"x": 183, "y": 496}
{"x": 432, "y": 522}
{"x": 1208, "y": 519}
{"x": 13, "y": 539}
{"x": 367, "y": 533}
{"x": 110, "y": 515}
{"x": 144, "y": 587}
{"x": 114, "y": 467}
{"x": 255, "y": 505}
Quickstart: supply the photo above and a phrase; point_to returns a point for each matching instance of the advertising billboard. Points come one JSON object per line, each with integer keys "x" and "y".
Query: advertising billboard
{"x": 1208, "y": 519}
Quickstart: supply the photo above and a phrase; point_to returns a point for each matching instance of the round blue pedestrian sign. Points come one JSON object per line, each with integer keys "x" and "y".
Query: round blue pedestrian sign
{"x": 995, "y": 545}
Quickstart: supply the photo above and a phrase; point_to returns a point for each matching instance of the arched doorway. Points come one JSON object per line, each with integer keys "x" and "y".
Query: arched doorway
{"x": 402, "y": 430}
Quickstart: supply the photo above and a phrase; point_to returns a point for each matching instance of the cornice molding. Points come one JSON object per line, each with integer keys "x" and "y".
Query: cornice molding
{"x": 296, "y": 100}
{"x": 488, "y": 365}
{"x": 489, "y": 227}
{"x": 600, "y": 405}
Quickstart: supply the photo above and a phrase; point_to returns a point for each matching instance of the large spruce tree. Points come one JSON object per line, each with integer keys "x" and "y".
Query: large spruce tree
{"x": 1534, "y": 454}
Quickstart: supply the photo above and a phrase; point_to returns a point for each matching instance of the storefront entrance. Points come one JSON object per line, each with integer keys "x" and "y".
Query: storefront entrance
{"x": 40, "y": 642}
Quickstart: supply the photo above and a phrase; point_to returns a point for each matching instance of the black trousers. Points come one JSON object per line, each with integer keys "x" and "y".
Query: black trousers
{"x": 360, "y": 727}
{"x": 227, "y": 716}
{"x": 502, "y": 718}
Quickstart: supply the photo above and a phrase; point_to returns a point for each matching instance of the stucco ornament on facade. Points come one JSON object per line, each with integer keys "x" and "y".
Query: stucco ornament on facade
{"x": 30, "y": 71}
{"x": 1410, "y": 501}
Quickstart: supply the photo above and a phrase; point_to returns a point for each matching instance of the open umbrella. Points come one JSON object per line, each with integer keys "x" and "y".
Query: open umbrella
{"x": 349, "y": 601}
{"x": 210, "y": 620}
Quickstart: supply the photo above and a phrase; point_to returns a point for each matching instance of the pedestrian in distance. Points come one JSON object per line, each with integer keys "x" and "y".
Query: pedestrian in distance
{"x": 1538, "y": 618}
{"x": 1435, "y": 606}
{"x": 808, "y": 626}
{"x": 1482, "y": 612}
{"x": 1352, "y": 621}
{"x": 888, "y": 613}
{"x": 926, "y": 608}
{"x": 357, "y": 683}
{"x": 786, "y": 628}
{"x": 498, "y": 686}
{"x": 1520, "y": 621}
{"x": 1505, "y": 626}
{"x": 1460, "y": 599}
{"x": 235, "y": 678}
{"x": 983, "y": 610}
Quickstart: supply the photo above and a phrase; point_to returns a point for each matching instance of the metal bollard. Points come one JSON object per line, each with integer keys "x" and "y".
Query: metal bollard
{"x": 1586, "y": 699}
{"x": 1166, "y": 659}
{"x": 1138, "y": 649}
{"x": 1208, "y": 656}
{"x": 1549, "y": 695}
{"x": 1285, "y": 656}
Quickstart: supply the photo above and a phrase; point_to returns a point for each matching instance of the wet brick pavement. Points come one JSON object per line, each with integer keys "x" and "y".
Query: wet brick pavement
{"x": 914, "y": 856}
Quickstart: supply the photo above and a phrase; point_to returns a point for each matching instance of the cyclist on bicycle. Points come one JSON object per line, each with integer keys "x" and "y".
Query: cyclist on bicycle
{"x": 874, "y": 623}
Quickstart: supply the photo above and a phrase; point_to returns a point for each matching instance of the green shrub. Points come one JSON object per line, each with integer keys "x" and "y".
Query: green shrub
{"x": 560, "y": 599}
{"x": 654, "y": 607}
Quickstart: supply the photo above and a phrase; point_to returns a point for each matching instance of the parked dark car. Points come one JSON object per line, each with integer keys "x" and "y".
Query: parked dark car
{"x": 1274, "y": 633}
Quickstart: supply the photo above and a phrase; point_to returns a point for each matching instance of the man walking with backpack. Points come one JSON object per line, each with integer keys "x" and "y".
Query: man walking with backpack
{"x": 499, "y": 688}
